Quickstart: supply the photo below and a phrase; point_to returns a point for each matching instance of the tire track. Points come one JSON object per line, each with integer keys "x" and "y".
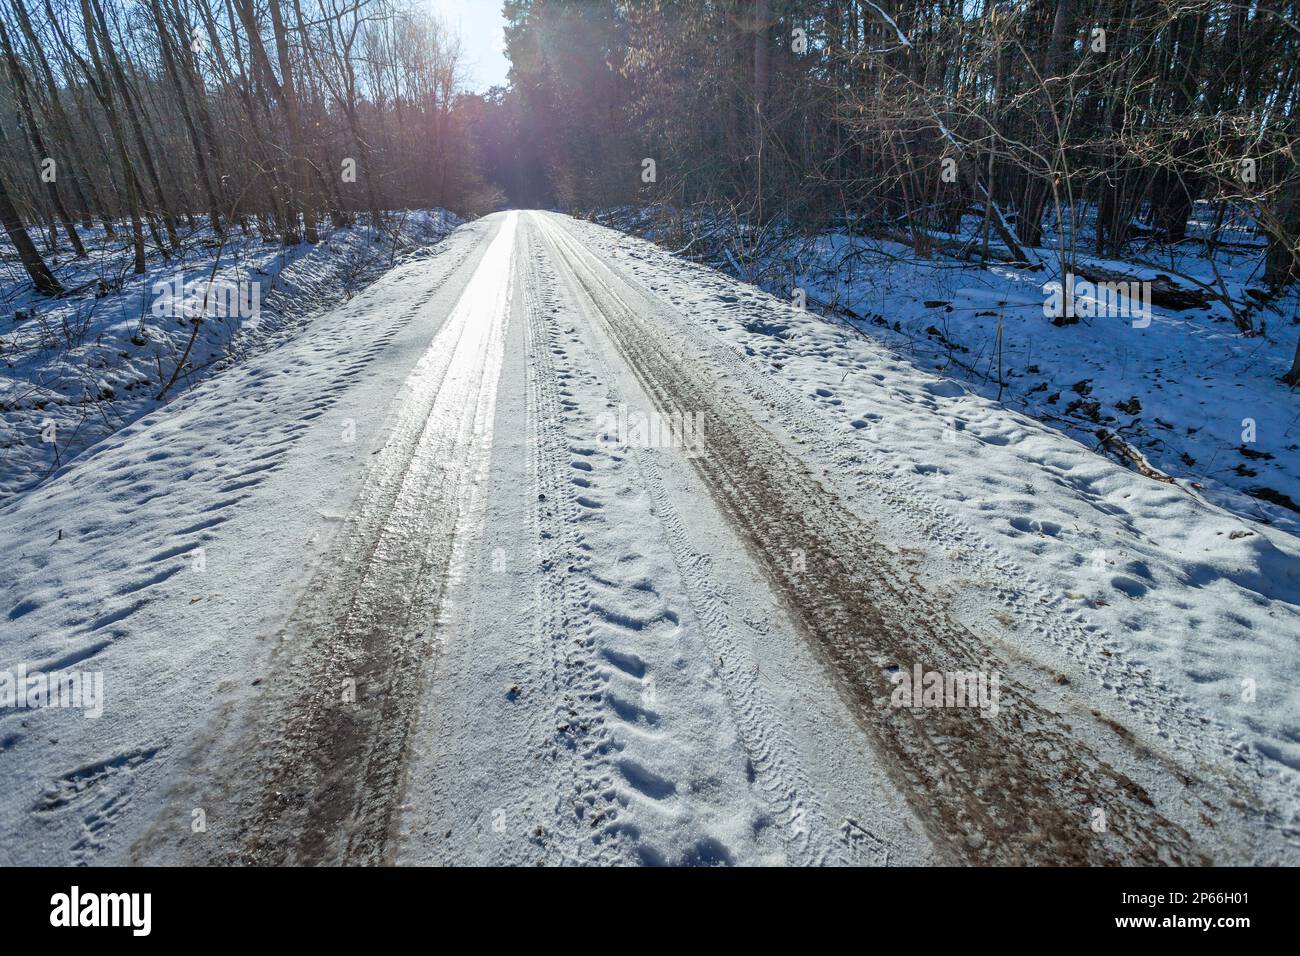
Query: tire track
{"x": 577, "y": 742}
{"x": 1017, "y": 788}
{"x": 1166, "y": 730}
{"x": 791, "y": 799}
{"x": 329, "y": 742}
{"x": 665, "y": 765}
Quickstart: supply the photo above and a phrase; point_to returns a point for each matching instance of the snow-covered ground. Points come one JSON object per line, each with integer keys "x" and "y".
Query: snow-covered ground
{"x": 74, "y": 369}
{"x": 165, "y": 557}
{"x": 427, "y": 583}
{"x": 1187, "y": 593}
{"x": 1195, "y": 397}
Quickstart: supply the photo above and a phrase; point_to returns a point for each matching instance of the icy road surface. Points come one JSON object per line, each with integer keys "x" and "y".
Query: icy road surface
{"x": 554, "y": 549}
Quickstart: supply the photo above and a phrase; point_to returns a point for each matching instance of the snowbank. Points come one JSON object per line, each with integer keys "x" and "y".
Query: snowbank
{"x": 77, "y": 368}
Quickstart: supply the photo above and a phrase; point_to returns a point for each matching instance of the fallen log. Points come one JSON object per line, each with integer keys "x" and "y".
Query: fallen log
{"x": 1165, "y": 292}
{"x": 1130, "y": 456}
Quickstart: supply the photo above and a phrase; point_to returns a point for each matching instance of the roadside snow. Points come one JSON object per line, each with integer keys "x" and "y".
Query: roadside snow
{"x": 166, "y": 557}
{"x": 1195, "y": 397}
{"x": 1179, "y": 597}
{"x": 169, "y": 557}
{"x": 76, "y": 368}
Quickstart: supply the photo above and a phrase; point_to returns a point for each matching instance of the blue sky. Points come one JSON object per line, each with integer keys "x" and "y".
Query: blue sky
{"x": 479, "y": 23}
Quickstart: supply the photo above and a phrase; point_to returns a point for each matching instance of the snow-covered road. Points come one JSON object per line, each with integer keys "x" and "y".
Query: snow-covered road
{"x": 555, "y": 549}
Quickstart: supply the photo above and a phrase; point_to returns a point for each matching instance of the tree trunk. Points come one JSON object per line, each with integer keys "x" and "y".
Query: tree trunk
{"x": 296, "y": 142}
{"x": 81, "y": 182}
{"x": 142, "y": 143}
{"x": 1034, "y": 202}
{"x": 1282, "y": 260}
{"x": 1292, "y": 377}
{"x": 173, "y": 74}
{"x": 102, "y": 88}
{"x": 38, "y": 144}
{"x": 41, "y": 275}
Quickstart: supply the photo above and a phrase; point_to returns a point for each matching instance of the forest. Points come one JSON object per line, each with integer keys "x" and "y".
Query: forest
{"x": 906, "y": 116}
{"x": 713, "y": 432}
{"x": 1061, "y": 125}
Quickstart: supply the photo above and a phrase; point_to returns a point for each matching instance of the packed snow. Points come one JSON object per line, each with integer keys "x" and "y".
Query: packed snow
{"x": 169, "y": 556}
{"x": 1198, "y": 399}
{"x": 1199, "y": 596}
{"x": 77, "y": 368}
